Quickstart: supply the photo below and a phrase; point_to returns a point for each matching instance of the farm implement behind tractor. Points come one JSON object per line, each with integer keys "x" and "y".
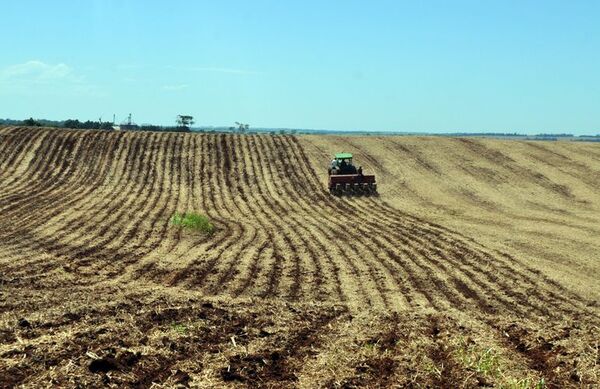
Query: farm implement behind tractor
{"x": 346, "y": 179}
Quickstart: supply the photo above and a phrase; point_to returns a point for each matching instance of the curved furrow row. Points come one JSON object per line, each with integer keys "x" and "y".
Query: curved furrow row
{"x": 390, "y": 281}
{"x": 285, "y": 273}
{"x": 55, "y": 172}
{"x": 267, "y": 195}
{"x": 168, "y": 240}
{"x": 527, "y": 291}
{"x": 220, "y": 208}
{"x": 144, "y": 213}
{"x": 480, "y": 271}
{"x": 57, "y": 246}
{"x": 496, "y": 264}
{"x": 284, "y": 189}
{"x": 16, "y": 145}
{"x": 193, "y": 252}
{"x": 92, "y": 187}
{"x": 79, "y": 237}
{"x": 486, "y": 266}
{"x": 295, "y": 235}
{"x": 314, "y": 238}
{"x": 299, "y": 217}
{"x": 39, "y": 213}
{"x": 267, "y": 282}
{"x": 176, "y": 171}
{"x": 249, "y": 197}
{"x": 46, "y": 216}
{"x": 98, "y": 205}
{"x": 428, "y": 257}
{"x": 318, "y": 257}
{"x": 23, "y": 158}
{"x": 353, "y": 245}
{"x": 131, "y": 237}
{"x": 61, "y": 198}
{"x": 214, "y": 246}
{"x": 51, "y": 193}
{"x": 170, "y": 237}
{"x": 154, "y": 212}
{"x": 221, "y": 267}
{"x": 226, "y": 188}
{"x": 471, "y": 275}
{"x": 30, "y": 182}
{"x": 254, "y": 214}
{"x": 459, "y": 280}
{"x": 175, "y": 245}
{"x": 413, "y": 280}
{"x": 226, "y": 207}
{"x": 288, "y": 244}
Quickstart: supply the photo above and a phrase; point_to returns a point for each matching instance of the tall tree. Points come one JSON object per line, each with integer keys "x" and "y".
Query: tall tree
{"x": 185, "y": 121}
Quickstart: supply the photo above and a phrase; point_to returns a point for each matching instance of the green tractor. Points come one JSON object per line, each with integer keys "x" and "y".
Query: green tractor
{"x": 346, "y": 179}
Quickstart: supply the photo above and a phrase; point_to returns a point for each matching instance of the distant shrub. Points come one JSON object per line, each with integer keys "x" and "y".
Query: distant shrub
{"x": 31, "y": 122}
{"x": 87, "y": 125}
{"x": 193, "y": 221}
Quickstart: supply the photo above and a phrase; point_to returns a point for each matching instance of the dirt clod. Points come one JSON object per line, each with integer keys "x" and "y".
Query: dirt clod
{"x": 24, "y": 323}
{"x": 103, "y": 365}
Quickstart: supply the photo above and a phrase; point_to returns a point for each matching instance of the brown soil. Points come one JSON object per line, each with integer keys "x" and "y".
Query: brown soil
{"x": 473, "y": 245}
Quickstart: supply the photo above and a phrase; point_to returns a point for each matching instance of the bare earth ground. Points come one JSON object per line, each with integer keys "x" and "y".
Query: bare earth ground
{"x": 477, "y": 265}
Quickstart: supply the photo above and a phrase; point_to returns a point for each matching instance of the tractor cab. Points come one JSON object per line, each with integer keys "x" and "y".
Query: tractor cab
{"x": 347, "y": 157}
{"x": 342, "y": 164}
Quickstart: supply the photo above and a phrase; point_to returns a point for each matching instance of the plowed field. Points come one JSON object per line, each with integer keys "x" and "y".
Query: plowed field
{"x": 477, "y": 264}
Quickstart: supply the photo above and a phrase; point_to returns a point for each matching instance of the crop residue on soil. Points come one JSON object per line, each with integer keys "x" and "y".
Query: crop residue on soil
{"x": 295, "y": 287}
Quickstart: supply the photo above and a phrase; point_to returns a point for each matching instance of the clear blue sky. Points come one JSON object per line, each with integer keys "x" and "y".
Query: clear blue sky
{"x": 529, "y": 66}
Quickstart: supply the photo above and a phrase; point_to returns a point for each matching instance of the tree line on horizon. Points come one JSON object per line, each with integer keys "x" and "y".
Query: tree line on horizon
{"x": 183, "y": 125}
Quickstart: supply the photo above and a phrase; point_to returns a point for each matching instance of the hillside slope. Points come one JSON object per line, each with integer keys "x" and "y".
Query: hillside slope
{"x": 538, "y": 201}
{"x": 90, "y": 263}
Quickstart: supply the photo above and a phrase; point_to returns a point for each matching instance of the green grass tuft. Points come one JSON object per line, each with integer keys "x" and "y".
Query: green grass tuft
{"x": 484, "y": 361}
{"x": 490, "y": 363}
{"x": 193, "y": 221}
{"x": 179, "y": 328}
{"x": 526, "y": 383}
